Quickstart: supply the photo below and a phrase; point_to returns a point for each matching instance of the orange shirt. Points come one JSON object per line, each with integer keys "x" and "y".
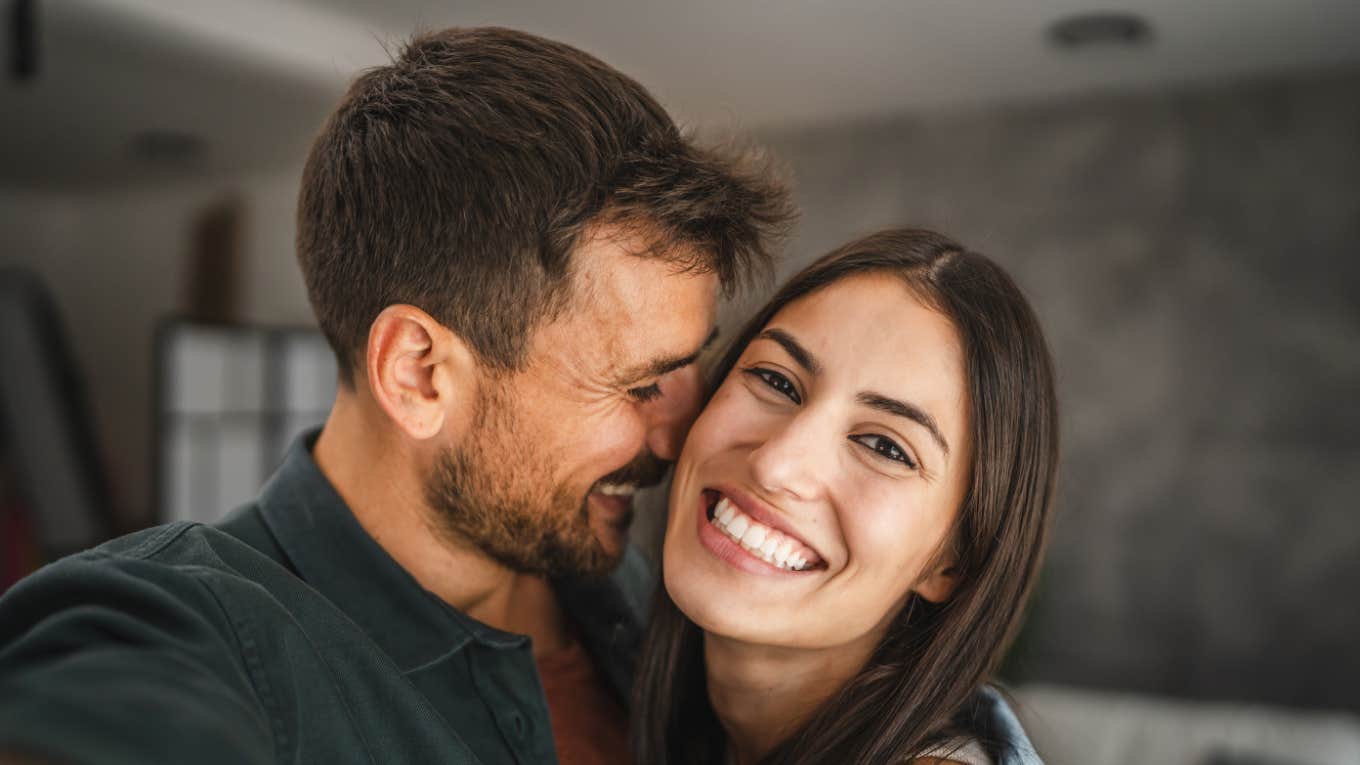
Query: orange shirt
{"x": 589, "y": 725}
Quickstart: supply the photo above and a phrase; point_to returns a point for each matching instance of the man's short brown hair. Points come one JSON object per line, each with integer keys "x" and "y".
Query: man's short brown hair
{"x": 459, "y": 178}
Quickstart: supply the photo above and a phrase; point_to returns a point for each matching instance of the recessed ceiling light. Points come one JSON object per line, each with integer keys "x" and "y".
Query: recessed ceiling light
{"x": 1099, "y": 29}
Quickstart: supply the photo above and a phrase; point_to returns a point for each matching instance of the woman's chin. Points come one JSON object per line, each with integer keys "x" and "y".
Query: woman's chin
{"x": 718, "y": 606}
{"x": 740, "y": 599}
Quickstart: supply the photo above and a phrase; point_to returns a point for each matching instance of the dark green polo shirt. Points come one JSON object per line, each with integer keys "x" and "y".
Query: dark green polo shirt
{"x": 282, "y": 634}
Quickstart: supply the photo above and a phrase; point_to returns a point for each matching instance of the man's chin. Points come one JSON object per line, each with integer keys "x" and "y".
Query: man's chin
{"x": 610, "y": 518}
{"x": 596, "y": 550}
{"x": 613, "y": 543}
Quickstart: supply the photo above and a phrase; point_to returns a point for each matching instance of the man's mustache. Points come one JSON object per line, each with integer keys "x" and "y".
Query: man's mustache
{"x": 645, "y": 470}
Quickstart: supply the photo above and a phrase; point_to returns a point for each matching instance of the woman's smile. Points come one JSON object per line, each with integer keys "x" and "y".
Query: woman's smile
{"x": 738, "y": 530}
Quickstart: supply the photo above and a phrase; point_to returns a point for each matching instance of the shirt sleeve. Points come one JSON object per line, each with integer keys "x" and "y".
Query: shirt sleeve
{"x": 123, "y": 660}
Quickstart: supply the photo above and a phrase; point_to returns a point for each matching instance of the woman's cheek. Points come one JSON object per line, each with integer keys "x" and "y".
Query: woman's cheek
{"x": 730, "y": 416}
{"x": 879, "y": 533}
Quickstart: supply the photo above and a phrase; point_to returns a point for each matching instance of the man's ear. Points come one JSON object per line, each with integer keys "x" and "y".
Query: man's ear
{"x": 939, "y": 583}
{"x": 422, "y": 374}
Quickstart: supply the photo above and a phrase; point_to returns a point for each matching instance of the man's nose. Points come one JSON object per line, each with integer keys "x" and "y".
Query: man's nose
{"x": 669, "y": 416}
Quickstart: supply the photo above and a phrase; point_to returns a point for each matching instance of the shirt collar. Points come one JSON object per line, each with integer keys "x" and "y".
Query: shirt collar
{"x": 332, "y": 553}
{"x": 611, "y": 614}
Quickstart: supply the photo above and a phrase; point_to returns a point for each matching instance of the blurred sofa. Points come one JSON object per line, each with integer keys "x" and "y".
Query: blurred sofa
{"x": 1071, "y": 726}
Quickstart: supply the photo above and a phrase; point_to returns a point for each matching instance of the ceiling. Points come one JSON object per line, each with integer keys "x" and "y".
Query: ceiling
{"x": 249, "y": 80}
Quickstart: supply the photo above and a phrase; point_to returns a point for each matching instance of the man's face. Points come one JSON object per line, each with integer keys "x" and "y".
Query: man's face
{"x": 543, "y": 482}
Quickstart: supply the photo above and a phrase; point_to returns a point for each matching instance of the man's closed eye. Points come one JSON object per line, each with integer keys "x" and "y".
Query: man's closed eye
{"x": 645, "y": 393}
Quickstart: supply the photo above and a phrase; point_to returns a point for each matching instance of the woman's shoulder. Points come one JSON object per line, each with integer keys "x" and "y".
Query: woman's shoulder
{"x": 996, "y": 724}
{"x": 996, "y": 736}
{"x": 958, "y": 751}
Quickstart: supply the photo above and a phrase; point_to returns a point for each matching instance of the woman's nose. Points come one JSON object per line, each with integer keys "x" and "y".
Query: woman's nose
{"x": 669, "y": 417}
{"x": 793, "y": 460}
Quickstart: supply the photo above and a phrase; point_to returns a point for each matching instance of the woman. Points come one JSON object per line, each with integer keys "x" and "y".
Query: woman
{"x": 856, "y": 521}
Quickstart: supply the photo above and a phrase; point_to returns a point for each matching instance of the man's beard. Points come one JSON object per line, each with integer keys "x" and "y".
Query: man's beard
{"x": 494, "y": 494}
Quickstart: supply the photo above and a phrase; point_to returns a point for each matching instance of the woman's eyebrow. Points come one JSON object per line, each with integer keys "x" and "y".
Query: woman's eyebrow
{"x": 795, "y": 349}
{"x": 903, "y": 409}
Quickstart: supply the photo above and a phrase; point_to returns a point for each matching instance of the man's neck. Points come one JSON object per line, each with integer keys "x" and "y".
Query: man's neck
{"x": 761, "y": 694}
{"x": 380, "y": 483}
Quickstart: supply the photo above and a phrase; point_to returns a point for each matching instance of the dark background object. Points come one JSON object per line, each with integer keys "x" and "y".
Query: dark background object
{"x": 170, "y": 148}
{"x": 47, "y": 429}
{"x": 214, "y": 268}
{"x": 20, "y": 552}
{"x": 1092, "y": 29}
{"x": 23, "y": 39}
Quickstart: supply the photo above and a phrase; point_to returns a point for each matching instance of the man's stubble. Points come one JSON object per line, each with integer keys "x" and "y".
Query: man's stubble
{"x": 495, "y": 493}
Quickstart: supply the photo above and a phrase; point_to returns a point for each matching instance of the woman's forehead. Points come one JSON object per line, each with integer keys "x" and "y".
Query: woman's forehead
{"x": 873, "y": 323}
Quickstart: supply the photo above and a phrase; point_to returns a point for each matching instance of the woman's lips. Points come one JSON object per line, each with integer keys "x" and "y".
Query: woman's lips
{"x": 748, "y": 545}
{"x": 758, "y": 512}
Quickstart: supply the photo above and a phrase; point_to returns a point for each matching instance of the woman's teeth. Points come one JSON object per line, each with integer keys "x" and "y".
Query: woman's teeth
{"x": 761, "y": 541}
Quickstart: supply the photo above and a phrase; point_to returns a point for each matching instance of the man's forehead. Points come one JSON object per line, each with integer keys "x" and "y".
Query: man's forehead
{"x": 628, "y": 315}
{"x": 619, "y": 258}
{"x": 662, "y": 362}
{"x": 650, "y": 331}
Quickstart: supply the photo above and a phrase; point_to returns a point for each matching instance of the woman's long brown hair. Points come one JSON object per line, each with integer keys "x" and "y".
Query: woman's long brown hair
{"x": 915, "y": 689}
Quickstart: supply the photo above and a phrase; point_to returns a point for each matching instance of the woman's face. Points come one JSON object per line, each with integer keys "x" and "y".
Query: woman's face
{"x": 837, "y": 452}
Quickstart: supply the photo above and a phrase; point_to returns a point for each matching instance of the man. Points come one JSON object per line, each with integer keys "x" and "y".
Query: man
{"x": 514, "y": 254}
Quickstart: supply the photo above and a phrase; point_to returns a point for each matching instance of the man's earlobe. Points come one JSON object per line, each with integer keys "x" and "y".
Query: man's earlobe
{"x": 421, "y": 374}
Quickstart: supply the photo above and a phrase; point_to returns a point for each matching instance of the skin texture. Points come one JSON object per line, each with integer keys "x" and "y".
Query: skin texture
{"x": 778, "y": 643}
{"x": 536, "y": 441}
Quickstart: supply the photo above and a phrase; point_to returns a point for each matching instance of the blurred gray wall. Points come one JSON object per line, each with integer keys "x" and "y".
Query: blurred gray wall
{"x": 1193, "y": 256}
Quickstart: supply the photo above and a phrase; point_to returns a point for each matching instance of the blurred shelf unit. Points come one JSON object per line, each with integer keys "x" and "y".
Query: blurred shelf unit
{"x": 230, "y": 399}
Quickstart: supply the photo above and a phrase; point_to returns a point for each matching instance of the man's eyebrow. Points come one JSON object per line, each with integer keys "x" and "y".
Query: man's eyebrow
{"x": 903, "y": 409}
{"x": 662, "y": 366}
{"x": 794, "y": 348}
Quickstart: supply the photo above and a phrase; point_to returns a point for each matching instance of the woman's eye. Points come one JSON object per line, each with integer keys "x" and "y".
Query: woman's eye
{"x": 886, "y": 448}
{"x": 778, "y": 382}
